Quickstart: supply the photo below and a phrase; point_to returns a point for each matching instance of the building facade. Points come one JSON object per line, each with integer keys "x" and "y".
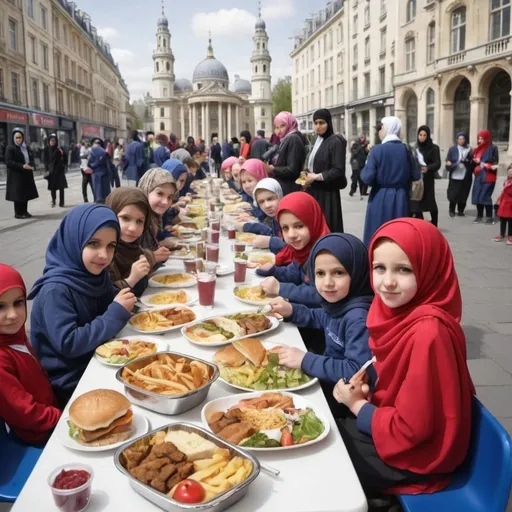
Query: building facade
{"x": 209, "y": 103}
{"x": 57, "y": 75}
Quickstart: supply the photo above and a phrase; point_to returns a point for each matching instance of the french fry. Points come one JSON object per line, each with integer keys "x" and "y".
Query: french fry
{"x": 209, "y": 471}
{"x": 203, "y": 464}
{"x": 233, "y": 466}
{"x": 216, "y": 488}
{"x": 238, "y": 477}
{"x": 221, "y": 454}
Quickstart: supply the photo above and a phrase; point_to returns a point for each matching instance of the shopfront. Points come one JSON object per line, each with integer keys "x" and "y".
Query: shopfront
{"x": 10, "y": 119}
{"x": 90, "y": 131}
{"x": 110, "y": 134}
{"x": 67, "y": 132}
{"x": 41, "y": 127}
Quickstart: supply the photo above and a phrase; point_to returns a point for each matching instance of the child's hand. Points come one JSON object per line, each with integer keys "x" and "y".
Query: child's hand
{"x": 282, "y": 307}
{"x": 261, "y": 242}
{"x": 183, "y": 215}
{"x": 266, "y": 266}
{"x": 239, "y": 225}
{"x": 270, "y": 286}
{"x": 448, "y": 163}
{"x": 161, "y": 254}
{"x": 290, "y": 357}
{"x": 353, "y": 396}
{"x": 139, "y": 269}
{"x": 126, "y": 299}
{"x": 170, "y": 243}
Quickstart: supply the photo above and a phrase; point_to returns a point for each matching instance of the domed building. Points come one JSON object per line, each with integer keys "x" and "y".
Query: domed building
{"x": 210, "y": 103}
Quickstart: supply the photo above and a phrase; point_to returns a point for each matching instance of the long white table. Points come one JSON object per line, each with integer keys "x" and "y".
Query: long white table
{"x": 313, "y": 479}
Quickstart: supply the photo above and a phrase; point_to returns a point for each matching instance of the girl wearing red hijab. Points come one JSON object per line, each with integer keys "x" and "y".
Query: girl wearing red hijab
{"x": 302, "y": 223}
{"x": 485, "y": 161}
{"x": 414, "y": 430}
{"x": 27, "y": 403}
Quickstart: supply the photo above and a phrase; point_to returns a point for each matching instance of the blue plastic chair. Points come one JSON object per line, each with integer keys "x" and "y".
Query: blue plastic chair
{"x": 18, "y": 461}
{"x": 483, "y": 482}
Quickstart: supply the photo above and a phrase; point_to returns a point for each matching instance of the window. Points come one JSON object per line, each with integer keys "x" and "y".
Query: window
{"x": 57, "y": 66}
{"x": 262, "y": 112}
{"x": 263, "y": 46}
{"x": 318, "y": 75}
{"x": 500, "y": 18}
{"x": 2, "y": 88}
{"x": 162, "y": 112}
{"x": 15, "y": 86}
{"x": 46, "y": 98}
{"x": 247, "y": 112}
{"x": 382, "y": 79}
{"x": 166, "y": 92}
{"x": 340, "y": 63}
{"x": 354, "y": 25}
{"x": 13, "y": 35}
{"x": 312, "y": 106}
{"x": 383, "y": 34}
{"x": 167, "y": 66}
{"x": 430, "y": 108}
{"x": 431, "y": 43}
{"x": 60, "y": 101}
{"x": 366, "y": 15}
{"x": 35, "y": 94}
{"x": 162, "y": 126}
{"x": 367, "y": 85}
{"x": 326, "y": 69}
{"x": 367, "y": 49}
{"x": 157, "y": 67}
{"x": 312, "y": 53}
{"x": 329, "y": 39}
{"x": 73, "y": 71}
{"x": 263, "y": 125}
{"x": 56, "y": 28}
{"x": 410, "y": 10}
{"x": 340, "y": 33}
{"x": 355, "y": 55}
{"x": 325, "y": 43}
{"x": 311, "y": 78}
{"x": 410, "y": 54}
{"x": 318, "y": 49}
{"x": 65, "y": 34}
{"x": 459, "y": 30}
{"x": 44, "y": 52}
{"x": 66, "y": 67}
{"x": 33, "y": 48}
{"x": 264, "y": 68}
{"x": 43, "y": 17}
{"x": 340, "y": 94}
{"x": 391, "y": 72}
{"x": 30, "y": 8}
{"x": 255, "y": 69}
{"x": 354, "y": 88}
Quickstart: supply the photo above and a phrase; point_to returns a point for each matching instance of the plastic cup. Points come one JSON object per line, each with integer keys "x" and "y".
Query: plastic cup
{"x": 190, "y": 266}
{"x": 210, "y": 267}
{"x": 199, "y": 265}
{"x": 239, "y": 246}
{"x": 71, "y": 500}
{"x": 212, "y": 252}
{"x": 213, "y": 236}
{"x": 215, "y": 225}
{"x": 231, "y": 233}
{"x": 200, "y": 249}
{"x": 240, "y": 270}
{"x": 212, "y": 206}
{"x": 206, "y": 288}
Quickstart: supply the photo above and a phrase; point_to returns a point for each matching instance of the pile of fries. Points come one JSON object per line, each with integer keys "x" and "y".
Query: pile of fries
{"x": 220, "y": 473}
{"x": 163, "y": 319}
{"x": 169, "y": 375}
{"x": 171, "y": 278}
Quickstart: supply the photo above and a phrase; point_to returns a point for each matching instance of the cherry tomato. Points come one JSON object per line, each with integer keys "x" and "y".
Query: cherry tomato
{"x": 189, "y": 491}
{"x": 286, "y": 438}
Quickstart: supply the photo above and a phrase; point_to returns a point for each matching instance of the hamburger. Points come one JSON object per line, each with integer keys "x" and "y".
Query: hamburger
{"x": 100, "y": 418}
{"x": 215, "y": 329}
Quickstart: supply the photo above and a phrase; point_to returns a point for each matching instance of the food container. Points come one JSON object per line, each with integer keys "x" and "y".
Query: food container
{"x": 220, "y": 502}
{"x": 166, "y": 404}
{"x": 72, "y": 500}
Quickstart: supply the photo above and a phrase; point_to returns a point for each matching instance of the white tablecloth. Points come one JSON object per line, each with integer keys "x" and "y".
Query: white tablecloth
{"x": 313, "y": 479}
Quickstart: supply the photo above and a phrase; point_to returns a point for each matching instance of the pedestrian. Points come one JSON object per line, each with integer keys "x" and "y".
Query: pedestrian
{"x": 460, "y": 169}
{"x": 20, "y": 187}
{"x": 429, "y": 159}
{"x": 288, "y": 162}
{"x": 161, "y": 153}
{"x": 135, "y": 162}
{"x": 485, "y": 167}
{"x": 389, "y": 170}
{"x": 118, "y": 156}
{"x": 173, "y": 143}
{"x": 326, "y": 170}
{"x": 358, "y": 154}
{"x": 245, "y": 148}
{"x": 149, "y": 148}
{"x": 227, "y": 150}
{"x": 55, "y": 166}
{"x": 99, "y": 162}
{"x": 86, "y": 171}
{"x": 235, "y": 144}
{"x": 216, "y": 154}
{"x": 504, "y": 212}
{"x": 190, "y": 145}
{"x": 259, "y": 145}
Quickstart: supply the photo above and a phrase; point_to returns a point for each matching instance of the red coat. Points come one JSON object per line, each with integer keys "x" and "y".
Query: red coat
{"x": 505, "y": 201}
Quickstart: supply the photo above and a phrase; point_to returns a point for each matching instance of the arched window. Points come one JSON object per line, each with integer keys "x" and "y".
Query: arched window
{"x": 430, "y": 108}
{"x": 162, "y": 127}
{"x": 410, "y": 54}
{"x": 263, "y": 126}
{"x": 167, "y": 66}
{"x": 258, "y": 46}
{"x": 264, "y": 68}
{"x": 263, "y": 44}
{"x": 166, "y": 93}
{"x": 255, "y": 69}
{"x": 458, "y": 30}
{"x": 499, "y": 107}
{"x": 162, "y": 112}
{"x": 165, "y": 43}
{"x": 411, "y": 10}
{"x": 462, "y": 107}
{"x": 431, "y": 43}
{"x": 411, "y": 109}
{"x": 157, "y": 67}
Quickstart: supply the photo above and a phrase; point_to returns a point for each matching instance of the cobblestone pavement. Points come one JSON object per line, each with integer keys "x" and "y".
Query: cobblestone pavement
{"x": 484, "y": 269}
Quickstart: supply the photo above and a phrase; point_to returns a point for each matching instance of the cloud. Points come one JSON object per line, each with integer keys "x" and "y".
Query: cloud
{"x": 122, "y": 55}
{"x": 108, "y": 33}
{"x": 277, "y": 10}
{"x": 224, "y": 22}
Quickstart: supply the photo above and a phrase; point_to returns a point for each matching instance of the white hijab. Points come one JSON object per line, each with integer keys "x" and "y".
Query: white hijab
{"x": 269, "y": 184}
{"x": 392, "y": 128}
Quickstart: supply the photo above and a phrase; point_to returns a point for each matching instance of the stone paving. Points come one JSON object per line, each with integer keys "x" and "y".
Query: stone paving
{"x": 484, "y": 269}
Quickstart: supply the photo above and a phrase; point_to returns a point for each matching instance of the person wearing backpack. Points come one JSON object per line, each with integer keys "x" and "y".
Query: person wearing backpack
{"x": 55, "y": 166}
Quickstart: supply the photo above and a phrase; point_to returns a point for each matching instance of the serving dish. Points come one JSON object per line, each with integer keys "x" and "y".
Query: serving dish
{"x": 145, "y": 318}
{"x": 185, "y": 281}
{"x": 189, "y": 298}
{"x": 160, "y": 346}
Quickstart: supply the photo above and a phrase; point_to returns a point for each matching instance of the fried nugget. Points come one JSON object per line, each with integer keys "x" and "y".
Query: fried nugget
{"x": 160, "y": 482}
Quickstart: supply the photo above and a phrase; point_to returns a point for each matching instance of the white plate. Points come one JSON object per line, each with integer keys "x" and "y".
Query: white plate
{"x": 274, "y": 325}
{"x": 161, "y": 346}
{"x": 165, "y": 329}
{"x": 270, "y": 345}
{"x": 248, "y": 301}
{"x": 140, "y": 426}
{"x": 224, "y": 403}
{"x": 191, "y": 298}
{"x": 192, "y": 281}
{"x": 224, "y": 270}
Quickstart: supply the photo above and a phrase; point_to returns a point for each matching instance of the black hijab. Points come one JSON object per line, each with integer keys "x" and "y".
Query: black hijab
{"x": 426, "y": 147}
{"x": 325, "y": 115}
{"x": 247, "y": 136}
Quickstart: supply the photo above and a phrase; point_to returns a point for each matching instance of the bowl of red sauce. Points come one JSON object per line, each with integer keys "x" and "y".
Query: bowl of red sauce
{"x": 71, "y": 486}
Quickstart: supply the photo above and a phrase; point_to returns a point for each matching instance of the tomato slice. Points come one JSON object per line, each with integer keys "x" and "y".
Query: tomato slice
{"x": 286, "y": 438}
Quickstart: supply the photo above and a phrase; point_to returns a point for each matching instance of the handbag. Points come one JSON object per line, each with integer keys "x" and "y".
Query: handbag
{"x": 417, "y": 190}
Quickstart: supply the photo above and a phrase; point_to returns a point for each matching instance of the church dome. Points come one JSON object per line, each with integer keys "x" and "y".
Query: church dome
{"x": 162, "y": 22}
{"x": 241, "y": 86}
{"x": 182, "y": 85}
{"x": 210, "y": 69}
{"x": 260, "y": 24}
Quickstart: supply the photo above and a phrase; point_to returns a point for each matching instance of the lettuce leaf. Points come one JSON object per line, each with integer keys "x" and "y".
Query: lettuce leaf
{"x": 260, "y": 440}
{"x": 73, "y": 430}
{"x": 308, "y": 428}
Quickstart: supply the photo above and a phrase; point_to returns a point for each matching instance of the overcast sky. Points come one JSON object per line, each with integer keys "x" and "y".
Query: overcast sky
{"x": 131, "y": 34}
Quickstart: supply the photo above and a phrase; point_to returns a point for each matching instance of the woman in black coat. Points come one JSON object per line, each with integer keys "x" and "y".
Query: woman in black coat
{"x": 21, "y": 187}
{"x": 55, "y": 167}
{"x": 288, "y": 163}
{"x": 429, "y": 160}
{"x": 326, "y": 170}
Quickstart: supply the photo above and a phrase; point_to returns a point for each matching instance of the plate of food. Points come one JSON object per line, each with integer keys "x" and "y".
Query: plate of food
{"x": 159, "y": 320}
{"x": 189, "y": 468}
{"x": 267, "y": 421}
{"x": 256, "y": 259}
{"x": 172, "y": 280}
{"x": 217, "y": 331}
{"x": 239, "y": 207}
{"x": 195, "y": 210}
{"x": 253, "y": 295}
{"x": 182, "y": 253}
{"x": 120, "y": 351}
{"x": 168, "y": 297}
{"x": 301, "y": 180}
{"x": 246, "y": 238}
{"x": 100, "y": 420}
{"x": 252, "y": 365}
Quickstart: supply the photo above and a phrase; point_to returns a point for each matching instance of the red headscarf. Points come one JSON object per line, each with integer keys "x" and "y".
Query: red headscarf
{"x": 305, "y": 207}
{"x": 480, "y": 149}
{"x": 9, "y": 279}
{"x": 255, "y": 167}
{"x": 423, "y": 392}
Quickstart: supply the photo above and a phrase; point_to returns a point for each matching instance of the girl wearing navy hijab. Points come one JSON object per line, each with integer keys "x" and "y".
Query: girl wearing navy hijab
{"x": 340, "y": 267}
{"x": 76, "y": 307}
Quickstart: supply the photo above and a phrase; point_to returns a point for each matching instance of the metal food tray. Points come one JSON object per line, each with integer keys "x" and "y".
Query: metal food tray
{"x": 220, "y": 502}
{"x": 166, "y": 404}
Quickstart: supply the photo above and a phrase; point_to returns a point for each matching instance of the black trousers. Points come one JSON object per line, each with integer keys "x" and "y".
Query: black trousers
{"x": 503, "y": 226}
{"x": 20, "y": 207}
{"x": 356, "y": 179}
{"x": 86, "y": 180}
{"x": 480, "y": 210}
{"x": 460, "y": 207}
{"x": 61, "y": 196}
{"x": 114, "y": 178}
{"x": 434, "y": 216}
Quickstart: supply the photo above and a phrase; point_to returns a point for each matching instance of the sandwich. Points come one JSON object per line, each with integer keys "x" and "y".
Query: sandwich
{"x": 216, "y": 329}
{"x": 100, "y": 418}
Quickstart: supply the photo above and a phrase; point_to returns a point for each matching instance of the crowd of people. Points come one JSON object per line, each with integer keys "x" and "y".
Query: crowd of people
{"x": 405, "y": 420}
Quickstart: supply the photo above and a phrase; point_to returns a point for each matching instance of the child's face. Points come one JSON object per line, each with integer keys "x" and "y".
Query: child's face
{"x": 13, "y": 311}
{"x": 227, "y": 174}
{"x": 180, "y": 183}
{"x": 99, "y": 251}
{"x": 192, "y": 169}
{"x": 235, "y": 171}
{"x": 132, "y": 221}
{"x": 331, "y": 279}
{"x": 394, "y": 280}
{"x": 248, "y": 182}
{"x": 160, "y": 198}
{"x": 295, "y": 232}
{"x": 268, "y": 202}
